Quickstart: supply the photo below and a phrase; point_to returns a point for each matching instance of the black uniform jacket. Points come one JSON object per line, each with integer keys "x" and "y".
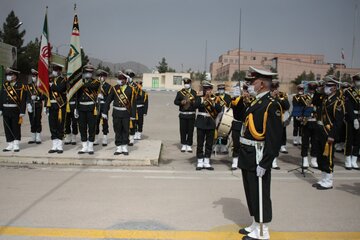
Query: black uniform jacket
{"x": 239, "y": 106}
{"x": 105, "y": 91}
{"x": 33, "y": 90}
{"x": 115, "y": 93}
{"x": 284, "y": 101}
{"x": 57, "y": 92}
{"x": 352, "y": 104}
{"x": 143, "y": 99}
{"x": 13, "y": 95}
{"x": 206, "y": 122}
{"x": 332, "y": 115}
{"x": 317, "y": 101}
{"x": 88, "y": 93}
{"x": 224, "y": 100}
{"x": 272, "y": 140}
{"x": 179, "y": 97}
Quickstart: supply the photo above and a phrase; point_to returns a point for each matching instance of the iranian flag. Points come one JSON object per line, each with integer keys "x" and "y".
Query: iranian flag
{"x": 44, "y": 59}
{"x": 74, "y": 70}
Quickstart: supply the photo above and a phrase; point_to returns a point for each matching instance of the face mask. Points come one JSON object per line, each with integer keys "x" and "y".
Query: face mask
{"x": 33, "y": 79}
{"x": 120, "y": 82}
{"x": 129, "y": 79}
{"x": 251, "y": 90}
{"x": 87, "y": 75}
{"x": 55, "y": 73}
{"x": 187, "y": 86}
{"x": 221, "y": 91}
{"x": 9, "y": 78}
{"x": 357, "y": 83}
{"x": 327, "y": 90}
{"x": 102, "y": 79}
{"x": 301, "y": 93}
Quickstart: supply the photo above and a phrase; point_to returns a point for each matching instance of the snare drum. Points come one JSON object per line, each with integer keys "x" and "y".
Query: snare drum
{"x": 224, "y": 126}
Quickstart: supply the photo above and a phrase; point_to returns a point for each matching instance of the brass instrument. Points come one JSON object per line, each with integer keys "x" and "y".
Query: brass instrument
{"x": 188, "y": 101}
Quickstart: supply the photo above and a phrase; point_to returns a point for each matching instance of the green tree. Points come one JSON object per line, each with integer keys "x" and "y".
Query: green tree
{"x": 237, "y": 76}
{"x": 105, "y": 68}
{"x": 163, "y": 66}
{"x": 330, "y": 71}
{"x": 84, "y": 58}
{"x": 29, "y": 57}
{"x": 10, "y": 33}
{"x": 200, "y": 76}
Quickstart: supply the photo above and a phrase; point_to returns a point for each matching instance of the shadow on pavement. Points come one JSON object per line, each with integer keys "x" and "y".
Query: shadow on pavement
{"x": 234, "y": 210}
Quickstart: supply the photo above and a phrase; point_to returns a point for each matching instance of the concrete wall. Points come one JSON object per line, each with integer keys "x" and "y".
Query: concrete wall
{"x": 164, "y": 80}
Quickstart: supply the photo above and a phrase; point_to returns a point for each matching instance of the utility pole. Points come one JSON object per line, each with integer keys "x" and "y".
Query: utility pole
{"x": 354, "y": 40}
{"x": 205, "y": 67}
{"x": 239, "y": 41}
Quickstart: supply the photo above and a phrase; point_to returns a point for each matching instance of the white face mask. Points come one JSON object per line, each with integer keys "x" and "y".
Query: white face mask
{"x": 9, "y": 78}
{"x": 221, "y": 91}
{"x": 327, "y": 90}
{"x": 55, "y": 73}
{"x": 187, "y": 85}
{"x": 87, "y": 75}
{"x": 102, "y": 79}
{"x": 120, "y": 82}
{"x": 251, "y": 90}
{"x": 33, "y": 79}
{"x": 357, "y": 83}
{"x": 301, "y": 93}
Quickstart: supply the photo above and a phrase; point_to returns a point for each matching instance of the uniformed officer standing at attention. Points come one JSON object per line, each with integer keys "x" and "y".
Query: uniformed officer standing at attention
{"x": 331, "y": 118}
{"x": 34, "y": 107}
{"x": 142, "y": 105}
{"x": 185, "y": 99}
{"x": 260, "y": 144}
{"x": 71, "y": 123}
{"x": 57, "y": 109}
{"x": 298, "y": 104}
{"x": 208, "y": 109}
{"x": 87, "y": 110}
{"x": 102, "y": 96}
{"x": 224, "y": 100}
{"x": 352, "y": 107}
{"x": 12, "y": 108}
{"x": 133, "y": 121}
{"x": 124, "y": 109}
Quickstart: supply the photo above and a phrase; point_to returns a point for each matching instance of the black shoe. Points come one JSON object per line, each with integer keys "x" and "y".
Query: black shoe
{"x": 249, "y": 238}
{"x": 348, "y": 168}
{"x": 38, "y": 142}
{"x": 18, "y": 150}
{"x": 285, "y": 152}
{"x": 126, "y": 153}
{"x": 5, "y": 150}
{"x": 67, "y": 143}
{"x": 276, "y": 168}
{"x": 130, "y": 144}
{"x": 95, "y": 144}
{"x": 243, "y": 231}
{"x": 104, "y": 145}
{"x": 323, "y": 188}
{"x": 73, "y": 143}
{"x": 233, "y": 169}
{"x": 356, "y": 168}
{"x": 315, "y": 185}
{"x": 198, "y": 168}
{"x": 117, "y": 153}
{"x": 52, "y": 151}
{"x": 81, "y": 152}
{"x": 209, "y": 168}
{"x": 60, "y": 151}
{"x": 31, "y": 142}
{"x": 91, "y": 153}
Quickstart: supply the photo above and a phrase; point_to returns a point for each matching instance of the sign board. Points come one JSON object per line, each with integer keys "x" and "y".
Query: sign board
{"x": 8, "y": 55}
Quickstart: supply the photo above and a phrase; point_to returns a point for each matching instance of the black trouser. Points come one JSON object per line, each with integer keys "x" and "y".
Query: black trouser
{"x": 207, "y": 136}
{"x": 133, "y": 127}
{"x": 352, "y": 142}
{"x": 140, "y": 122}
{"x": 187, "y": 130}
{"x": 251, "y": 187}
{"x": 71, "y": 123}
{"x": 35, "y": 119}
{"x": 121, "y": 129}
{"x": 283, "y": 137}
{"x": 297, "y": 127}
{"x": 12, "y": 127}
{"x": 105, "y": 123}
{"x": 235, "y": 134}
{"x": 309, "y": 135}
{"x": 87, "y": 123}
{"x": 56, "y": 124}
{"x": 326, "y": 163}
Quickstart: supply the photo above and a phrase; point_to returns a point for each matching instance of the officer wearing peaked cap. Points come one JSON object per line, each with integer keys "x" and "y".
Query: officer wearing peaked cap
{"x": 130, "y": 74}
{"x": 352, "y": 109}
{"x": 142, "y": 105}
{"x": 185, "y": 99}
{"x": 101, "y": 99}
{"x": 57, "y": 108}
{"x": 87, "y": 109}
{"x": 259, "y": 145}
{"x": 12, "y": 108}
{"x": 330, "y": 120}
{"x": 34, "y": 107}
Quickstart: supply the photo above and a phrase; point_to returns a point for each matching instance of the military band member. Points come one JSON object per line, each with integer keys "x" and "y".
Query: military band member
{"x": 239, "y": 105}
{"x": 208, "y": 109}
{"x": 352, "y": 107}
{"x": 57, "y": 109}
{"x": 34, "y": 107}
{"x": 133, "y": 122}
{"x": 142, "y": 105}
{"x": 297, "y": 104}
{"x": 87, "y": 110}
{"x": 102, "y": 96}
{"x": 260, "y": 144}
{"x": 124, "y": 109}
{"x": 12, "y": 108}
{"x": 71, "y": 123}
{"x": 331, "y": 117}
{"x": 224, "y": 100}
{"x": 185, "y": 99}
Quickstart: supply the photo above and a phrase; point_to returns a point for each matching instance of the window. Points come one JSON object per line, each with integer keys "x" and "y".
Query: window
{"x": 264, "y": 58}
{"x": 253, "y": 58}
{"x": 155, "y": 82}
{"x": 177, "y": 80}
{"x": 318, "y": 77}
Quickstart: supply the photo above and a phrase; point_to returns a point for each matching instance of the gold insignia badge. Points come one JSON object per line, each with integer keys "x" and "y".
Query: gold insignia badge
{"x": 278, "y": 113}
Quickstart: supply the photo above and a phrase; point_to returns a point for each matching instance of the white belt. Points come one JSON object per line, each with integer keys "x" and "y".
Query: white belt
{"x": 311, "y": 120}
{"x": 9, "y": 105}
{"x": 53, "y": 101}
{"x": 203, "y": 114}
{"x": 120, "y": 108}
{"x": 72, "y": 103}
{"x": 102, "y": 101}
{"x": 87, "y": 103}
{"x": 259, "y": 147}
{"x": 356, "y": 111}
{"x": 320, "y": 123}
{"x": 140, "y": 105}
{"x": 187, "y": 113}
{"x": 235, "y": 120}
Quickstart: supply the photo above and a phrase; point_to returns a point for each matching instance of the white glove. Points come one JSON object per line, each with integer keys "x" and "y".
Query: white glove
{"x": 29, "y": 108}
{"x": 21, "y": 115}
{"x": 132, "y": 118}
{"x": 0, "y": 113}
{"x": 50, "y": 84}
{"x": 104, "y": 116}
{"x": 100, "y": 96}
{"x": 76, "y": 113}
{"x": 356, "y": 124}
{"x": 46, "y": 111}
{"x": 33, "y": 97}
{"x": 260, "y": 171}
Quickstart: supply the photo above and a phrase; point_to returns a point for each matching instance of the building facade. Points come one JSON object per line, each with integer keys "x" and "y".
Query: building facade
{"x": 288, "y": 65}
{"x": 168, "y": 81}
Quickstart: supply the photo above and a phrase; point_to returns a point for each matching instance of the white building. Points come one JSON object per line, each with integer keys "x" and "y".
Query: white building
{"x": 168, "y": 81}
